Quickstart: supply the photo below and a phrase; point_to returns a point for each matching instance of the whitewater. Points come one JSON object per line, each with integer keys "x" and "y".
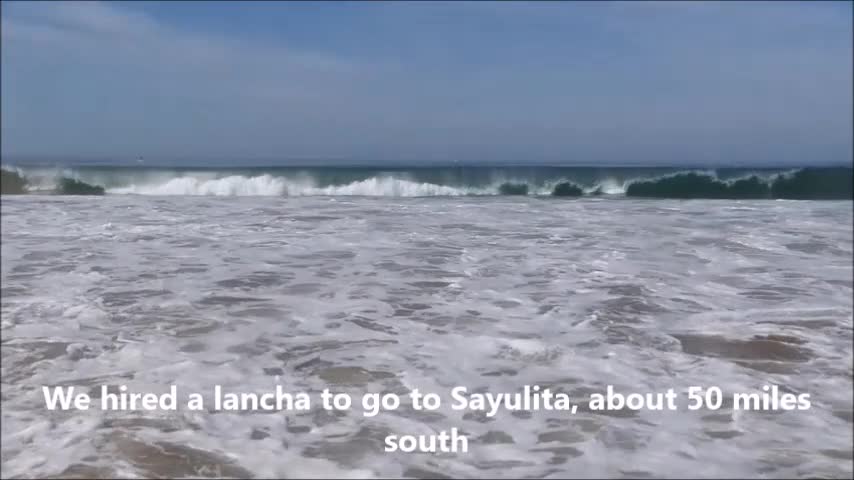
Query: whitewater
{"x": 394, "y": 293}
{"x": 267, "y": 185}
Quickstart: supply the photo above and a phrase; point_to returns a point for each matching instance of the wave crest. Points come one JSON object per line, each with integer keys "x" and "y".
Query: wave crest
{"x": 695, "y": 185}
{"x": 14, "y": 182}
{"x": 235, "y": 185}
{"x": 268, "y": 185}
{"x": 384, "y": 186}
{"x": 807, "y": 183}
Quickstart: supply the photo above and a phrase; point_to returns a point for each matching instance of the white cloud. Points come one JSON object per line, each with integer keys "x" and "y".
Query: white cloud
{"x": 120, "y": 37}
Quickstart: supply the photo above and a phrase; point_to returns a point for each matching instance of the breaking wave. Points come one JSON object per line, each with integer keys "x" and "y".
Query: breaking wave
{"x": 513, "y": 189}
{"x": 569, "y": 189}
{"x": 229, "y": 186}
{"x": 806, "y": 183}
{"x": 268, "y": 185}
{"x": 15, "y": 182}
{"x": 71, "y": 186}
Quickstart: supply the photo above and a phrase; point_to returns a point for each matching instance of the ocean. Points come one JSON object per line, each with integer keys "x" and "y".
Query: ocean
{"x": 655, "y": 182}
{"x": 387, "y": 280}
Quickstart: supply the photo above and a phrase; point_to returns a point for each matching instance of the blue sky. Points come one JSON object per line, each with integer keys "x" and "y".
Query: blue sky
{"x": 544, "y": 82}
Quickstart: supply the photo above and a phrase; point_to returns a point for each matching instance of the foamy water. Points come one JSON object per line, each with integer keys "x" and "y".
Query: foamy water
{"x": 390, "y": 294}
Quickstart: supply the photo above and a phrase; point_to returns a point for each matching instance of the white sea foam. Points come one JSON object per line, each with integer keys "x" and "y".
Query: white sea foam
{"x": 378, "y": 294}
{"x": 235, "y": 185}
{"x": 267, "y": 185}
